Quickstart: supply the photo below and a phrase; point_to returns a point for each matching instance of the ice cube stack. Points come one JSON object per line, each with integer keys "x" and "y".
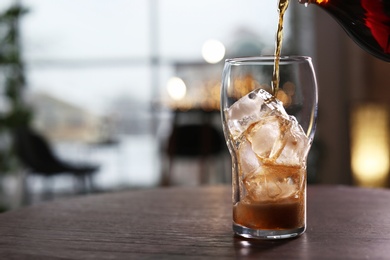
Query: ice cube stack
{"x": 274, "y": 136}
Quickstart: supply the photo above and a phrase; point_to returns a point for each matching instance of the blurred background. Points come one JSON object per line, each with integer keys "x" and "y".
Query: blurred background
{"x": 101, "y": 96}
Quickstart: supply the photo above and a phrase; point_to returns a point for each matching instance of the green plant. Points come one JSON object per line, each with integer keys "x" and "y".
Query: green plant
{"x": 13, "y": 111}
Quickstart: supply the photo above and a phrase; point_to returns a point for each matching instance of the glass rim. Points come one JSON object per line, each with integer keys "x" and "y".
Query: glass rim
{"x": 268, "y": 59}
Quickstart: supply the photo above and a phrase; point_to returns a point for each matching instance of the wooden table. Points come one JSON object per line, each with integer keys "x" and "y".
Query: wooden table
{"x": 193, "y": 223}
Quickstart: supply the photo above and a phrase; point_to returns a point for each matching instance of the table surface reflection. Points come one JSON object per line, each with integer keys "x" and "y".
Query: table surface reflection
{"x": 193, "y": 223}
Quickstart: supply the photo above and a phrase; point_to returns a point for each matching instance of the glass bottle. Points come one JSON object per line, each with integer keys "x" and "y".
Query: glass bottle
{"x": 367, "y": 22}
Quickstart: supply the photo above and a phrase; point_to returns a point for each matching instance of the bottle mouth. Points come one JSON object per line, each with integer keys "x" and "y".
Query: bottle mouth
{"x": 304, "y": 1}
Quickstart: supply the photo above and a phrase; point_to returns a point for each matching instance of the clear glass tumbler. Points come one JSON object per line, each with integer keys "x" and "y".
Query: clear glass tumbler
{"x": 269, "y": 136}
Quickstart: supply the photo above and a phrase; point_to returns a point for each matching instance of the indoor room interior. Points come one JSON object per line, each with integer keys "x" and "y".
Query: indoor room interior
{"x": 125, "y": 95}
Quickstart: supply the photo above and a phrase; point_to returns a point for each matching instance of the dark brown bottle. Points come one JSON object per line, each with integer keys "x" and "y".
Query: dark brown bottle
{"x": 367, "y": 22}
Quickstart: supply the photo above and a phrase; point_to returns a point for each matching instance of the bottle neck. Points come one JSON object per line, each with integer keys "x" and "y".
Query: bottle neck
{"x": 305, "y": 1}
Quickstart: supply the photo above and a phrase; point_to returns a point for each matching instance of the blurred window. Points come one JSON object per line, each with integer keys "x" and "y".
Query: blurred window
{"x": 97, "y": 70}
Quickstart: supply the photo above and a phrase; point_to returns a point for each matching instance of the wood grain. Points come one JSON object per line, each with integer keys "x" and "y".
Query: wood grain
{"x": 193, "y": 223}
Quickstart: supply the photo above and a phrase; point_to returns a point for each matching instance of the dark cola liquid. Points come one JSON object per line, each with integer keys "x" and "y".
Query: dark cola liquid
{"x": 367, "y": 22}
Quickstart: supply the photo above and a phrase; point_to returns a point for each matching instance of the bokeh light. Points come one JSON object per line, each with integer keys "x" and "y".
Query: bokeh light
{"x": 370, "y": 151}
{"x": 176, "y": 88}
{"x": 213, "y": 51}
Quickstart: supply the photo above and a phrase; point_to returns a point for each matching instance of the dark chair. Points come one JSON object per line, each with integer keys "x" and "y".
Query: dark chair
{"x": 35, "y": 153}
{"x": 199, "y": 141}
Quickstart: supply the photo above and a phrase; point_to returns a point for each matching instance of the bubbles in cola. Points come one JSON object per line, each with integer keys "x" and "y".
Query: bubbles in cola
{"x": 271, "y": 148}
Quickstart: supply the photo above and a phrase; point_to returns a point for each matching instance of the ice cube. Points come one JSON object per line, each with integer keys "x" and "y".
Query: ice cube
{"x": 247, "y": 159}
{"x": 296, "y": 146}
{"x": 250, "y": 109}
{"x": 266, "y": 137}
{"x": 280, "y": 140}
{"x": 273, "y": 183}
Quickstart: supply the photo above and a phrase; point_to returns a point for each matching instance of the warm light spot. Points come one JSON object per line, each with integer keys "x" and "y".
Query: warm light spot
{"x": 176, "y": 88}
{"x": 370, "y": 145}
{"x": 289, "y": 88}
{"x": 286, "y": 93}
{"x": 213, "y": 51}
{"x": 245, "y": 84}
{"x": 322, "y": 1}
{"x": 282, "y": 96}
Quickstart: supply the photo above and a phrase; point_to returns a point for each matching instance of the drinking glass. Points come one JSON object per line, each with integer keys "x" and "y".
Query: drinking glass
{"x": 269, "y": 136}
